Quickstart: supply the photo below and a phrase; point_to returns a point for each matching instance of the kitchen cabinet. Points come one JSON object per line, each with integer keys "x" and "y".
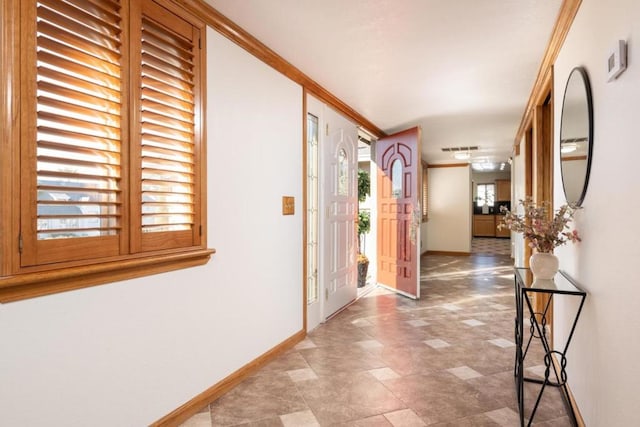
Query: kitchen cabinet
{"x": 484, "y": 226}
{"x": 503, "y": 190}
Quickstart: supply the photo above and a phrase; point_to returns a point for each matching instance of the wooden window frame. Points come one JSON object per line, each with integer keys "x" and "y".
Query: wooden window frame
{"x": 19, "y": 282}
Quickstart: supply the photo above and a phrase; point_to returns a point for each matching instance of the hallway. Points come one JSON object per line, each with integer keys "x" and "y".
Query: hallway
{"x": 446, "y": 360}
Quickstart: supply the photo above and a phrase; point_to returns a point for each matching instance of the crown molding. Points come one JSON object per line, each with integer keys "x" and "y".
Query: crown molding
{"x": 568, "y": 11}
{"x": 242, "y": 38}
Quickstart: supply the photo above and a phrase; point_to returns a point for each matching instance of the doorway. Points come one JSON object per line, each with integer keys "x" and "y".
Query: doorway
{"x": 538, "y": 172}
{"x": 331, "y": 208}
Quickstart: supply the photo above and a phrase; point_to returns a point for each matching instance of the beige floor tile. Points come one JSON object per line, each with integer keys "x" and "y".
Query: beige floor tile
{"x": 369, "y": 344}
{"x": 199, "y": 420}
{"x": 417, "y": 323}
{"x": 404, "y": 418}
{"x": 473, "y": 322}
{"x": 464, "y": 372}
{"x": 348, "y": 397}
{"x": 375, "y": 421}
{"x": 437, "y": 343}
{"x": 501, "y": 342}
{"x": 302, "y": 374}
{"x": 304, "y": 344}
{"x": 382, "y": 374}
{"x": 504, "y": 417}
{"x": 361, "y": 323}
{"x": 299, "y": 419}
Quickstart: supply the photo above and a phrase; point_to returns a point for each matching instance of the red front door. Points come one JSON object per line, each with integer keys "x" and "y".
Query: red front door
{"x": 398, "y": 161}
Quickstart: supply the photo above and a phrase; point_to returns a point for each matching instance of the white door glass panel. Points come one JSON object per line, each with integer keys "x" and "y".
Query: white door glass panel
{"x": 312, "y": 208}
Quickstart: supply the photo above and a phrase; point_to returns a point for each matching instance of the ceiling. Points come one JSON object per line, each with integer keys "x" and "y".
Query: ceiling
{"x": 463, "y": 70}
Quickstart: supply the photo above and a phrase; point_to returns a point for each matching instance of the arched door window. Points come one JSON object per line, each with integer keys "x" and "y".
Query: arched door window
{"x": 343, "y": 173}
{"x": 396, "y": 179}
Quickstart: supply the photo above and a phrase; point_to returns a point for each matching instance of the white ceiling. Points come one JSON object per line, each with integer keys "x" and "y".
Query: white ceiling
{"x": 461, "y": 69}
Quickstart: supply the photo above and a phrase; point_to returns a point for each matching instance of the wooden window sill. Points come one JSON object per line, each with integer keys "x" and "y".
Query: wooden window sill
{"x": 34, "y": 284}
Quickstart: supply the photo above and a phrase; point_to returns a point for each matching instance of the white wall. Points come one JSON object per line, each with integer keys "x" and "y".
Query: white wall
{"x": 449, "y": 225}
{"x": 603, "y": 360}
{"x": 128, "y": 353}
{"x": 517, "y": 194}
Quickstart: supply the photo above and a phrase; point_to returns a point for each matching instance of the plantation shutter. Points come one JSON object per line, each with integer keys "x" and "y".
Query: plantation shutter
{"x": 72, "y": 200}
{"x": 164, "y": 214}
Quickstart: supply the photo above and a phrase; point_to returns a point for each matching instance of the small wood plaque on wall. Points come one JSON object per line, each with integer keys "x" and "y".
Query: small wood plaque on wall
{"x": 288, "y": 205}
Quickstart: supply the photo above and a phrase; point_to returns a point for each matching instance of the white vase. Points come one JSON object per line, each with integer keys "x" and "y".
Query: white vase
{"x": 544, "y": 265}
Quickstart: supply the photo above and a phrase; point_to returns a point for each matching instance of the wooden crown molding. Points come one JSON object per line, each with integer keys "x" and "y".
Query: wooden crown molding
{"x": 449, "y": 165}
{"x": 568, "y": 11}
{"x": 242, "y": 38}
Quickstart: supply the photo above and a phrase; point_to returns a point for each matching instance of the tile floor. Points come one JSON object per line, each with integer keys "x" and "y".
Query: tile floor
{"x": 490, "y": 246}
{"x": 445, "y": 360}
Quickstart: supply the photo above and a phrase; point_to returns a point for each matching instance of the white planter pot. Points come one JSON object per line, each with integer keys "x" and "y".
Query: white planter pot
{"x": 543, "y": 265}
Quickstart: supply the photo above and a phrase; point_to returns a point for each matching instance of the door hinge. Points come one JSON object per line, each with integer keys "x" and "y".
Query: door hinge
{"x": 326, "y": 129}
{"x": 200, "y": 230}
{"x": 20, "y": 242}
{"x": 199, "y": 43}
{"x": 326, "y": 294}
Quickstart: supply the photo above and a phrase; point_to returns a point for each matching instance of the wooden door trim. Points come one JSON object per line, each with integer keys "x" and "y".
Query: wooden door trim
{"x": 543, "y": 149}
{"x": 528, "y": 180}
{"x": 304, "y": 209}
{"x": 567, "y": 14}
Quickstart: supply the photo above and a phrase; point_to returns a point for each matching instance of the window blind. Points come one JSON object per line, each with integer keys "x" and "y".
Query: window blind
{"x": 78, "y": 118}
{"x": 167, "y": 128}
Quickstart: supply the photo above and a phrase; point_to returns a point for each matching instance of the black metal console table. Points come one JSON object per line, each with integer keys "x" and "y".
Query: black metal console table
{"x": 525, "y": 288}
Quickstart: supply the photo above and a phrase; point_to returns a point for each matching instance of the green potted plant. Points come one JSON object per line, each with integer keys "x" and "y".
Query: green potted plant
{"x": 364, "y": 225}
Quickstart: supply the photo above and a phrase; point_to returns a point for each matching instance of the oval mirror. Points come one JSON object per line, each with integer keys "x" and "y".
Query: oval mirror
{"x": 576, "y": 136}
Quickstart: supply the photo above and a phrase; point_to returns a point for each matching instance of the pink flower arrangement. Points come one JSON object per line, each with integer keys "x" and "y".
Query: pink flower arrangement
{"x": 542, "y": 233}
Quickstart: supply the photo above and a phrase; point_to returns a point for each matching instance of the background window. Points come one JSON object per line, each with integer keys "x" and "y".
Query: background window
{"x": 486, "y": 194}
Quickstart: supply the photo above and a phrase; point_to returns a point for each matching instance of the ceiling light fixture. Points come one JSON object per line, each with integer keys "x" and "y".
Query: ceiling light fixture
{"x": 462, "y": 155}
{"x": 483, "y": 166}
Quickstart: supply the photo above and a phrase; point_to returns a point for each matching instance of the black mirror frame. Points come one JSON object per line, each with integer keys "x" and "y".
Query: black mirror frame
{"x": 585, "y": 80}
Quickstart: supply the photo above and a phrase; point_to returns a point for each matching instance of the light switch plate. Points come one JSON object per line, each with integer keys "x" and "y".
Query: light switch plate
{"x": 288, "y": 205}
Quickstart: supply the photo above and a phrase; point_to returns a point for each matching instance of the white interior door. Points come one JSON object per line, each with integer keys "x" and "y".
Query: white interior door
{"x": 339, "y": 207}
